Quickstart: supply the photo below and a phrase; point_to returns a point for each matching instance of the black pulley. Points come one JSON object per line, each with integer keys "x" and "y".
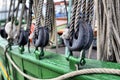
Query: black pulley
{"x": 77, "y": 42}
{"x": 82, "y": 39}
{"x": 90, "y": 36}
{"x": 3, "y": 33}
{"x": 42, "y": 38}
{"x": 23, "y": 37}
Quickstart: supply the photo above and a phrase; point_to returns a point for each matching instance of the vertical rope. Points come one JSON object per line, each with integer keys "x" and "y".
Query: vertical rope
{"x": 83, "y": 8}
{"x": 39, "y": 15}
{"x": 88, "y": 10}
{"x": 77, "y": 16}
{"x": 73, "y": 17}
{"x": 30, "y": 15}
{"x": 9, "y": 10}
{"x": 91, "y": 10}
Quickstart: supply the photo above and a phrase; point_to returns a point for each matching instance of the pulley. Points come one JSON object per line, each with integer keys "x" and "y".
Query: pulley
{"x": 81, "y": 39}
{"x": 42, "y": 38}
{"x": 23, "y": 37}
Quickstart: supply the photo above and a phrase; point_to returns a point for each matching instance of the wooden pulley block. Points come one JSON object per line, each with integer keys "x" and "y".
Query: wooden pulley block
{"x": 77, "y": 42}
{"x": 23, "y": 37}
{"x": 82, "y": 39}
{"x": 42, "y": 38}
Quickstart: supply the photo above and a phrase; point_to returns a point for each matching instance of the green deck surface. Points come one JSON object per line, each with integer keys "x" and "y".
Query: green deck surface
{"x": 53, "y": 65}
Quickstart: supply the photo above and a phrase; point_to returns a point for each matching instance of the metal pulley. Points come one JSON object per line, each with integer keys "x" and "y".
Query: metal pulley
{"x": 81, "y": 39}
{"x": 42, "y": 38}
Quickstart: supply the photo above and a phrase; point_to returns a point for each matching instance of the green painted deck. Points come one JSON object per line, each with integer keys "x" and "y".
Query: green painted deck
{"x": 52, "y": 65}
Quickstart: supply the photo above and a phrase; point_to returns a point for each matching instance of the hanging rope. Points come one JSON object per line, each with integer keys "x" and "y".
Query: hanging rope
{"x": 108, "y": 30}
{"x": 9, "y": 10}
{"x": 77, "y": 18}
{"x": 83, "y": 9}
{"x": 88, "y": 10}
{"x": 73, "y": 18}
{"x": 91, "y": 10}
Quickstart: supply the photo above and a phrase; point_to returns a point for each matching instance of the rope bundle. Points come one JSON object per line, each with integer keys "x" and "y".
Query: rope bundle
{"x": 108, "y": 24}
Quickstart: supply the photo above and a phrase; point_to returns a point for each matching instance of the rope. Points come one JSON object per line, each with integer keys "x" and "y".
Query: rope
{"x": 9, "y": 10}
{"x": 88, "y": 71}
{"x": 91, "y": 10}
{"x": 73, "y": 18}
{"x": 17, "y": 9}
{"x": 30, "y": 14}
{"x": 39, "y": 16}
{"x": 83, "y": 9}
{"x": 70, "y": 74}
{"x": 18, "y": 69}
{"x": 21, "y": 15}
{"x": 77, "y": 18}
{"x": 88, "y": 10}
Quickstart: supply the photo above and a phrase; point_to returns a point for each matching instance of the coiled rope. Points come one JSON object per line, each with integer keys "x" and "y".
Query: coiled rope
{"x": 67, "y": 75}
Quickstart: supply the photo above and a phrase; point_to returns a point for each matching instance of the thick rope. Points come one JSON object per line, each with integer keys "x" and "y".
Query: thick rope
{"x": 88, "y": 10}
{"x": 91, "y": 10}
{"x": 73, "y": 18}
{"x": 77, "y": 16}
{"x": 39, "y": 13}
{"x": 21, "y": 15}
{"x": 83, "y": 9}
{"x": 30, "y": 15}
{"x": 39, "y": 16}
{"x": 18, "y": 69}
{"x": 89, "y": 71}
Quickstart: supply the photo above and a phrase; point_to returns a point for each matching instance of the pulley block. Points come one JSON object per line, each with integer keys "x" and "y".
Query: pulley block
{"x": 23, "y": 37}
{"x": 42, "y": 38}
{"x": 81, "y": 39}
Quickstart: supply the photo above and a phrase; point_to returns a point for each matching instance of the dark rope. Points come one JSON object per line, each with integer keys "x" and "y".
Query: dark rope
{"x": 88, "y": 10}
{"x": 77, "y": 18}
{"x": 66, "y": 10}
{"x": 91, "y": 10}
{"x": 83, "y": 8}
{"x": 73, "y": 18}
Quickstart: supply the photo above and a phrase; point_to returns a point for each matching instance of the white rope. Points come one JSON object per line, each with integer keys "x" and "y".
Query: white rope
{"x": 71, "y": 74}
{"x": 88, "y": 71}
{"x": 18, "y": 69}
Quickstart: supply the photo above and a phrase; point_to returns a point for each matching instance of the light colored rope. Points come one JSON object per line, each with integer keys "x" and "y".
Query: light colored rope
{"x": 88, "y": 71}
